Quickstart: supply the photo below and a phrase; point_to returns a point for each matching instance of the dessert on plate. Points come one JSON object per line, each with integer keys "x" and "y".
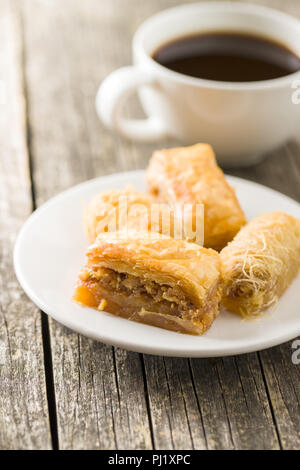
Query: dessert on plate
{"x": 129, "y": 209}
{"x": 144, "y": 265}
{"x": 153, "y": 279}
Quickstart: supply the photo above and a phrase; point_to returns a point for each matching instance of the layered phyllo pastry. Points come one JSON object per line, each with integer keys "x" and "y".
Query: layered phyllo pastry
{"x": 260, "y": 263}
{"x": 153, "y": 279}
{"x": 190, "y": 175}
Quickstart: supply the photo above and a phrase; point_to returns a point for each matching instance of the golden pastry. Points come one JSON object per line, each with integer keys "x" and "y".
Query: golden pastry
{"x": 190, "y": 175}
{"x": 260, "y": 263}
{"x": 112, "y": 210}
{"x": 153, "y": 279}
{"x": 129, "y": 209}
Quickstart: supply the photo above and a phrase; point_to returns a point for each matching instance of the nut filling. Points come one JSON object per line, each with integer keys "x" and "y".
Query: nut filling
{"x": 152, "y": 292}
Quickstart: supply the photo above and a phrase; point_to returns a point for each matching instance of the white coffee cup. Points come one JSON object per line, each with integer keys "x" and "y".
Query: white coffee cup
{"x": 242, "y": 121}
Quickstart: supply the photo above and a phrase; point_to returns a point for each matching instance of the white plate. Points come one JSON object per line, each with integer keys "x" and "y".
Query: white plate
{"x": 50, "y": 251}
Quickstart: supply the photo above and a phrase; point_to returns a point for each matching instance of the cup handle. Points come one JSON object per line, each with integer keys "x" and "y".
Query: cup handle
{"x": 111, "y": 96}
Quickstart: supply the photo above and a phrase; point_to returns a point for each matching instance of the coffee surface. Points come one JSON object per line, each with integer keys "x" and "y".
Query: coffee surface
{"x": 229, "y": 57}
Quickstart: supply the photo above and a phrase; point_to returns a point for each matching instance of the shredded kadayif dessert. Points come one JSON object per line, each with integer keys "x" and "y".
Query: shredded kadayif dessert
{"x": 153, "y": 279}
{"x": 260, "y": 263}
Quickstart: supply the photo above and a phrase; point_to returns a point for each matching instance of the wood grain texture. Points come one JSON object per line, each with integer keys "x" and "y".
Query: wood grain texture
{"x": 175, "y": 414}
{"x": 283, "y": 379}
{"x": 209, "y": 404}
{"x": 24, "y": 420}
{"x": 281, "y": 171}
{"x": 106, "y": 397}
{"x": 100, "y": 394}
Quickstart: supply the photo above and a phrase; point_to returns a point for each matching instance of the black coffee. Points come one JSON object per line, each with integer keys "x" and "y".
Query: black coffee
{"x": 229, "y": 57}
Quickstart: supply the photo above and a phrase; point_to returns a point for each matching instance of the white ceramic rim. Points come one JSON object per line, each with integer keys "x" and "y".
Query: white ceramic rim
{"x": 269, "y": 13}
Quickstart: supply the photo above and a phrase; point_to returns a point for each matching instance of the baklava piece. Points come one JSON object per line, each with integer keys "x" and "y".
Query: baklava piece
{"x": 153, "y": 279}
{"x": 190, "y": 175}
{"x": 117, "y": 209}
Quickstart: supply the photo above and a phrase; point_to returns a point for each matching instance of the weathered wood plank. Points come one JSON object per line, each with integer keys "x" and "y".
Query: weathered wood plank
{"x": 24, "y": 422}
{"x": 218, "y": 404}
{"x": 100, "y": 394}
{"x": 176, "y": 418}
{"x": 280, "y": 170}
{"x": 283, "y": 379}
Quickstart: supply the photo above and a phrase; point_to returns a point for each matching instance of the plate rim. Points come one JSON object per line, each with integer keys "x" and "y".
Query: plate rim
{"x": 157, "y": 350}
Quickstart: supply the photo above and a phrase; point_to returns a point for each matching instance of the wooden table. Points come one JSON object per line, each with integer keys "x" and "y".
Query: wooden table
{"x": 59, "y": 389}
